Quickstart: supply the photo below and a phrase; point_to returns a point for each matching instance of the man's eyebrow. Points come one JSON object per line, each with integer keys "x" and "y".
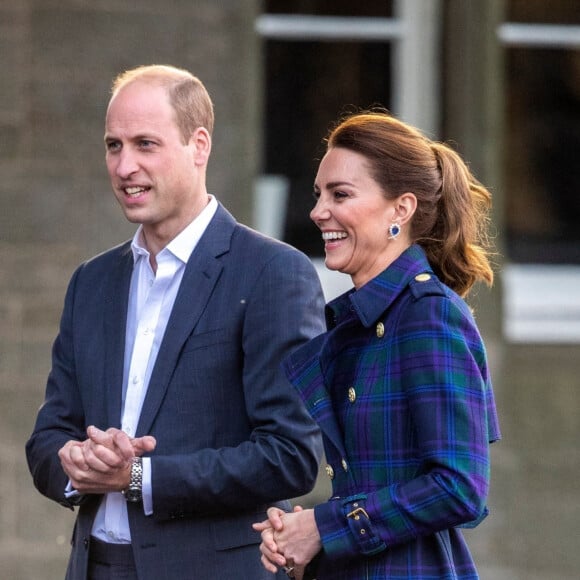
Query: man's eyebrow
{"x": 137, "y": 137}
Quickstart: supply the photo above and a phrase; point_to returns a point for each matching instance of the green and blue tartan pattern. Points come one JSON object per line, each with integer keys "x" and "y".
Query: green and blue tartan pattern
{"x": 412, "y": 448}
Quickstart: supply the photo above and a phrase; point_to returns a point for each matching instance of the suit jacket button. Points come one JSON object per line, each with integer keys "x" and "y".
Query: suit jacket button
{"x": 344, "y": 464}
{"x": 329, "y": 471}
{"x": 352, "y": 395}
{"x": 86, "y": 543}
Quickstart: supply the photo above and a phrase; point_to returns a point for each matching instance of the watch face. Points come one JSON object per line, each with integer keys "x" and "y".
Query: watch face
{"x": 132, "y": 494}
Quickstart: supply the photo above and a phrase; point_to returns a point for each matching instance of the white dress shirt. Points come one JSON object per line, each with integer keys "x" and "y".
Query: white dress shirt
{"x": 151, "y": 299}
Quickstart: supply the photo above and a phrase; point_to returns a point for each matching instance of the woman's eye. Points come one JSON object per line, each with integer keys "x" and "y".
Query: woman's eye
{"x": 340, "y": 194}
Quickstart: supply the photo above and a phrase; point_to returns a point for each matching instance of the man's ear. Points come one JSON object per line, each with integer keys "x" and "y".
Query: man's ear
{"x": 201, "y": 141}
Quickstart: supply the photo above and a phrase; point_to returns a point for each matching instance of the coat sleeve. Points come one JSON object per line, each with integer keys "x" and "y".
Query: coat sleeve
{"x": 438, "y": 359}
{"x": 279, "y": 458}
{"x": 60, "y": 417}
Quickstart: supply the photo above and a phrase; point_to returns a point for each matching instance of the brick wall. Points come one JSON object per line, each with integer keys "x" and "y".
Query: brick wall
{"x": 57, "y": 59}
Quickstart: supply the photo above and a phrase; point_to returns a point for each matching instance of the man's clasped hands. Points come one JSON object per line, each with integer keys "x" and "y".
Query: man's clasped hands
{"x": 102, "y": 462}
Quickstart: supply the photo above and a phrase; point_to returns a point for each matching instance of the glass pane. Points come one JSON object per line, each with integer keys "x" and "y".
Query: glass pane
{"x": 381, "y": 8}
{"x": 542, "y": 154}
{"x": 543, "y": 11}
{"x": 308, "y": 86}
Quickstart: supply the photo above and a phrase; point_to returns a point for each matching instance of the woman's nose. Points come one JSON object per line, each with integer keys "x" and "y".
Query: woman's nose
{"x": 319, "y": 211}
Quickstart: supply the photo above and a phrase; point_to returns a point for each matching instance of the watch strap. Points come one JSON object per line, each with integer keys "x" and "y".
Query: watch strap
{"x": 134, "y": 492}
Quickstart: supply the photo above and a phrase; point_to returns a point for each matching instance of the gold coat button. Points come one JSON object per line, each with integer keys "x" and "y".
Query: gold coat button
{"x": 352, "y": 395}
{"x": 380, "y": 330}
{"x": 423, "y": 277}
{"x": 329, "y": 471}
{"x": 344, "y": 464}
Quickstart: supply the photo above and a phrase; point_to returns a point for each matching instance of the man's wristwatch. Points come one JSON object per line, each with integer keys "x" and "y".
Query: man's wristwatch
{"x": 134, "y": 492}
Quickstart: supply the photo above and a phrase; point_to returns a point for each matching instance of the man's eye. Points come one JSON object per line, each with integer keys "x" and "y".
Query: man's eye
{"x": 316, "y": 194}
{"x": 113, "y": 146}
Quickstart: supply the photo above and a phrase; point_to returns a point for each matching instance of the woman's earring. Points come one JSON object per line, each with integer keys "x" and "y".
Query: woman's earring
{"x": 394, "y": 230}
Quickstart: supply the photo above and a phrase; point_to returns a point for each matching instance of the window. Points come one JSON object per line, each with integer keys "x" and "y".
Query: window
{"x": 542, "y": 168}
{"x": 542, "y": 171}
{"x": 309, "y": 85}
{"x": 326, "y": 58}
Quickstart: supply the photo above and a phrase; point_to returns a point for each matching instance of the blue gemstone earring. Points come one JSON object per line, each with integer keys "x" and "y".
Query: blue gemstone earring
{"x": 394, "y": 230}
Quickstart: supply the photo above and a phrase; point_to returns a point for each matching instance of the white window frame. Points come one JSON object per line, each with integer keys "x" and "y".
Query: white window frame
{"x": 415, "y": 34}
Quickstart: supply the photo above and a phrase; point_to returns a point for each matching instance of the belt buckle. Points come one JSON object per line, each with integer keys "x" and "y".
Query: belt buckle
{"x": 356, "y": 513}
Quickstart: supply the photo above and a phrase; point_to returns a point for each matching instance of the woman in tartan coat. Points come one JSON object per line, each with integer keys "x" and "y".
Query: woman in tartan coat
{"x": 399, "y": 384}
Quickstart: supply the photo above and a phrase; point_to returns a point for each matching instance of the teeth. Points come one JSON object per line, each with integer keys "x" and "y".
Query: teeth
{"x": 134, "y": 190}
{"x": 333, "y": 235}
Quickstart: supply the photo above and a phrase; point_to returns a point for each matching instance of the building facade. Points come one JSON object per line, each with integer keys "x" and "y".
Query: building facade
{"x": 499, "y": 79}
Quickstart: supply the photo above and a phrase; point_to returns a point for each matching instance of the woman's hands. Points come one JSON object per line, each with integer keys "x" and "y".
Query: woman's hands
{"x": 289, "y": 540}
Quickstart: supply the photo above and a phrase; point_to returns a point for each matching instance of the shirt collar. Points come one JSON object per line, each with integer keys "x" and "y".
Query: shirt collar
{"x": 371, "y": 300}
{"x": 184, "y": 243}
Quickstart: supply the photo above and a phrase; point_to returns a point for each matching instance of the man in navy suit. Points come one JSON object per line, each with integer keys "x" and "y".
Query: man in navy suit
{"x": 167, "y": 419}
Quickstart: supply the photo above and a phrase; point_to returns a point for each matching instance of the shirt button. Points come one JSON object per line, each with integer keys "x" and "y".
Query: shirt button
{"x": 329, "y": 471}
{"x": 352, "y": 395}
{"x": 135, "y": 379}
{"x": 127, "y": 430}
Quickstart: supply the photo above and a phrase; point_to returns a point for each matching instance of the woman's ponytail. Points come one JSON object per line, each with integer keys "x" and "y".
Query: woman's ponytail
{"x": 458, "y": 245}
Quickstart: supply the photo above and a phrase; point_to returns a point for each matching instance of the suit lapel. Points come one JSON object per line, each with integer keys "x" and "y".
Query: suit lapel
{"x": 199, "y": 279}
{"x": 115, "y": 320}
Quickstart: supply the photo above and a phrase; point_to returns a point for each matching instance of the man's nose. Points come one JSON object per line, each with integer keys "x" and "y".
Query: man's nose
{"x": 127, "y": 164}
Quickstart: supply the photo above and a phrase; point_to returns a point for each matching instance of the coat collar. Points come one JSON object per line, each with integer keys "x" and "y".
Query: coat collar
{"x": 371, "y": 300}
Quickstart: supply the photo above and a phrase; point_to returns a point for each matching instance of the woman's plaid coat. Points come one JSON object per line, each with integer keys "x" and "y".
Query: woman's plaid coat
{"x": 401, "y": 390}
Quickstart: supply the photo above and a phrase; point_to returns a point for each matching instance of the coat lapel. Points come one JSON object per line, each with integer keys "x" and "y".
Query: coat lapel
{"x": 199, "y": 279}
{"x": 115, "y": 320}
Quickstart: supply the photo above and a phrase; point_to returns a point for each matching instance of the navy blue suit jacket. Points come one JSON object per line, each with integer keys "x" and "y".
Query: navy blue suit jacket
{"x": 232, "y": 435}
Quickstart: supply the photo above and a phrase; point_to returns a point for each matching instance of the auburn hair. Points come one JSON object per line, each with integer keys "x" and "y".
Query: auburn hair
{"x": 452, "y": 218}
